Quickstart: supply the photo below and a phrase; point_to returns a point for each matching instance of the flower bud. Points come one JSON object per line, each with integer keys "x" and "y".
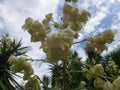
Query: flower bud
{"x": 116, "y": 83}
{"x": 63, "y": 26}
{"x": 27, "y": 24}
{"x": 85, "y": 70}
{"x": 108, "y": 35}
{"x": 32, "y": 84}
{"x": 99, "y": 83}
{"x": 99, "y": 70}
{"x": 49, "y": 17}
{"x": 82, "y": 84}
{"x": 56, "y": 25}
{"x": 108, "y": 86}
{"x": 12, "y": 60}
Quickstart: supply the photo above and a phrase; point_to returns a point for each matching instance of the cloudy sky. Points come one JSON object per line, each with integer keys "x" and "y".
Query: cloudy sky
{"x": 104, "y": 14}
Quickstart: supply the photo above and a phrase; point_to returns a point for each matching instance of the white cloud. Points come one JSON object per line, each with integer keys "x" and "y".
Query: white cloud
{"x": 1, "y": 26}
{"x": 97, "y": 3}
{"x": 95, "y": 20}
{"x": 81, "y": 54}
{"x": 43, "y": 69}
{"x": 99, "y": 10}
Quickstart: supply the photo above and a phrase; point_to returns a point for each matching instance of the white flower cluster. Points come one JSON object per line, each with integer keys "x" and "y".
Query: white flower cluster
{"x": 112, "y": 64}
{"x": 108, "y": 86}
{"x": 36, "y": 29}
{"x": 97, "y": 70}
{"x": 100, "y": 84}
{"x": 73, "y": 17}
{"x": 116, "y": 83}
{"x": 32, "y": 84}
{"x": 20, "y": 64}
{"x": 99, "y": 42}
{"x": 97, "y": 73}
{"x": 57, "y": 45}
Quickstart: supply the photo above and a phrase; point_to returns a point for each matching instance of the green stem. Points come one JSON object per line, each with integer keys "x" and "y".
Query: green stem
{"x": 80, "y": 41}
{"x": 84, "y": 40}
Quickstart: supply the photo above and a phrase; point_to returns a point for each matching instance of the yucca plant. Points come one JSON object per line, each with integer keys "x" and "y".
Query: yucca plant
{"x": 67, "y": 75}
{"x": 7, "y": 76}
{"x": 45, "y": 81}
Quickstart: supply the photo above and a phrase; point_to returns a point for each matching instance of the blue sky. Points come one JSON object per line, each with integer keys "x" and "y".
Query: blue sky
{"x": 104, "y": 14}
